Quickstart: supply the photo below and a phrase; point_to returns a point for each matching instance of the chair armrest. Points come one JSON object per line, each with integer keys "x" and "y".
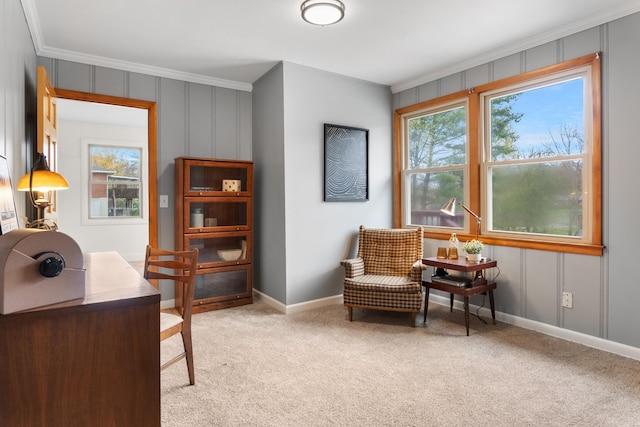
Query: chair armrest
{"x": 416, "y": 270}
{"x": 353, "y": 267}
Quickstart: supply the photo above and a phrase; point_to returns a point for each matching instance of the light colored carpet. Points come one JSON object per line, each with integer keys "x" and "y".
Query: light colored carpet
{"x": 257, "y": 367}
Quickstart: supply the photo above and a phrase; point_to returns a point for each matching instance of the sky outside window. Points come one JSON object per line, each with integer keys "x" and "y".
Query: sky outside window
{"x": 545, "y": 111}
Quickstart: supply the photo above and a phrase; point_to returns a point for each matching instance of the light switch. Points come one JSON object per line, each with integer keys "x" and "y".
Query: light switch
{"x": 164, "y": 201}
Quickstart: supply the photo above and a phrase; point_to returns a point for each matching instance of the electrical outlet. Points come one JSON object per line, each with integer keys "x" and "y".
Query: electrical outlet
{"x": 164, "y": 201}
{"x": 567, "y": 299}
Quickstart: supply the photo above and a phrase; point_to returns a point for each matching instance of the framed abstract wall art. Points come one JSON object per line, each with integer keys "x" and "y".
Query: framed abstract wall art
{"x": 346, "y": 164}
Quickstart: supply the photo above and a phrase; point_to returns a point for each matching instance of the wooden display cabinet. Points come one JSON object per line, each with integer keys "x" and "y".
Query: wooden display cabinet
{"x": 213, "y": 212}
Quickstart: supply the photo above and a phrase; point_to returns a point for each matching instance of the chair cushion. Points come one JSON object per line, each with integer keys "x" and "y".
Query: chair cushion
{"x": 384, "y": 292}
{"x": 387, "y": 284}
{"x": 168, "y": 321}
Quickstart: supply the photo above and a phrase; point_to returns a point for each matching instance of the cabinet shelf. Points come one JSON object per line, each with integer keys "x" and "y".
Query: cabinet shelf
{"x": 216, "y": 249}
{"x": 214, "y": 206}
{"x": 205, "y": 179}
{"x": 219, "y": 213}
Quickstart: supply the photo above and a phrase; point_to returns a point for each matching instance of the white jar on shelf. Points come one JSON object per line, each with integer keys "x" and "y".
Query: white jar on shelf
{"x": 197, "y": 218}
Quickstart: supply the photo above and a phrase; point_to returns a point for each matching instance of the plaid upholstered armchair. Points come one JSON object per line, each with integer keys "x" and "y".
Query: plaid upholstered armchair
{"x": 387, "y": 273}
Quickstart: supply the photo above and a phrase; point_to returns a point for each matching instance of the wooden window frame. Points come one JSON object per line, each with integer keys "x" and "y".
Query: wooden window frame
{"x": 594, "y": 246}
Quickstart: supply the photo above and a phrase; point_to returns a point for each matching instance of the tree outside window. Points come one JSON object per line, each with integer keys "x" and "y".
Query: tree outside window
{"x": 437, "y": 144}
{"x": 115, "y": 182}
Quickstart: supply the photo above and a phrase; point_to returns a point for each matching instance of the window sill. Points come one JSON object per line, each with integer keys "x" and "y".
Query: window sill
{"x": 572, "y": 248}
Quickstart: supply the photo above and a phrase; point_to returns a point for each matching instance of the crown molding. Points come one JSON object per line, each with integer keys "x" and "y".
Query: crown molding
{"x": 143, "y": 69}
{"x": 538, "y": 40}
{"x": 42, "y": 50}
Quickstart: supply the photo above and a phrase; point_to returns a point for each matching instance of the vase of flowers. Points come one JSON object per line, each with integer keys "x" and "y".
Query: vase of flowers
{"x": 473, "y": 248}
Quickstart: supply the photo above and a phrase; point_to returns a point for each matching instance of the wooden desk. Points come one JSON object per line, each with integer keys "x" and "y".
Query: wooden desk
{"x": 87, "y": 362}
{"x": 478, "y": 285}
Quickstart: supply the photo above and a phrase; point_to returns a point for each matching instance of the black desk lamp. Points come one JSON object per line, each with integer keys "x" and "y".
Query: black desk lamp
{"x": 450, "y": 209}
{"x": 41, "y": 180}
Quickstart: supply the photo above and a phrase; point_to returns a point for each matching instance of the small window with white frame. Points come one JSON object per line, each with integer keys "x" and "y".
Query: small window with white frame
{"x": 113, "y": 180}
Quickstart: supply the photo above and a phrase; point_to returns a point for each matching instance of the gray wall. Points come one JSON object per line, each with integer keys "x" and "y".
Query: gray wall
{"x": 269, "y": 176}
{"x": 605, "y": 295}
{"x": 300, "y": 250}
{"x": 621, "y": 154}
{"x": 193, "y": 120}
{"x": 17, "y": 91}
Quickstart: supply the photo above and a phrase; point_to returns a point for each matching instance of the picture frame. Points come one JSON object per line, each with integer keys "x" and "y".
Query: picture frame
{"x": 346, "y": 163}
{"x": 8, "y": 214}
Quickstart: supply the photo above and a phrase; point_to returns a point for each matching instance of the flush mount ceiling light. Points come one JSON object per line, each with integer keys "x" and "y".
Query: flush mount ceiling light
{"x": 322, "y": 12}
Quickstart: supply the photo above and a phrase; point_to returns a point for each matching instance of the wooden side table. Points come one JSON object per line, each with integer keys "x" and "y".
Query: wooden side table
{"x": 478, "y": 285}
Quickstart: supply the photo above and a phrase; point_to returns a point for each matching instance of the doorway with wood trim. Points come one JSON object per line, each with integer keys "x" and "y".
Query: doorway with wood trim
{"x": 117, "y": 105}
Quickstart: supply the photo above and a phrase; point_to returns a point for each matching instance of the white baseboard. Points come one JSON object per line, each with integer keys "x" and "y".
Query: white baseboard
{"x": 554, "y": 331}
{"x": 296, "y": 308}
{"x": 271, "y": 302}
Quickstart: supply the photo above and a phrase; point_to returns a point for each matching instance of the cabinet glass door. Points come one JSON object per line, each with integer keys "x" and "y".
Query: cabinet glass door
{"x": 216, "y": 214}
{"x": 222, "y": 284}
{"x": 207, "y": 177}
{"x": 217, "y": 249}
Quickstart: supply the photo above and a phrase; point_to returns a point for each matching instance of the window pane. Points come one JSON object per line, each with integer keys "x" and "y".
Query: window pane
{"x": 538, "y": 123}
{"x": 115, "y": 182}
{"x": 531, "y": 165}
{"x": 438, "y": 139}
{"x": 542, "y": 198}
{"x": 429, "y": 192}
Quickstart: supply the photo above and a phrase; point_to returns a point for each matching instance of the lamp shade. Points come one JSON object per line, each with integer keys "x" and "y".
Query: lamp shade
{"x": 450, "y": 207}
{"x": 322, "y": 12}
{"x": 42, "y": 181}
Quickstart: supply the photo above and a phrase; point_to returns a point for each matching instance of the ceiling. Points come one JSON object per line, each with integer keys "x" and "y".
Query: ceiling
{"x": 231, "y": 43}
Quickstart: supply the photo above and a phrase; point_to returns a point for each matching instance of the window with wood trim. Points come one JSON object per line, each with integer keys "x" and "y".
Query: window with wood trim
{"x": 524, "y": 153}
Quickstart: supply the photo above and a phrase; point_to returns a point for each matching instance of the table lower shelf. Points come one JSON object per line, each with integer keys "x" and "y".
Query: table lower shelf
{"x": 465, "y": 292}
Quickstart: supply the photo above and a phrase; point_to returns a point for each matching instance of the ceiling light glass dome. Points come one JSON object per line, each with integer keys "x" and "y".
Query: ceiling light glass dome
{"x": 322, "y": 12}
